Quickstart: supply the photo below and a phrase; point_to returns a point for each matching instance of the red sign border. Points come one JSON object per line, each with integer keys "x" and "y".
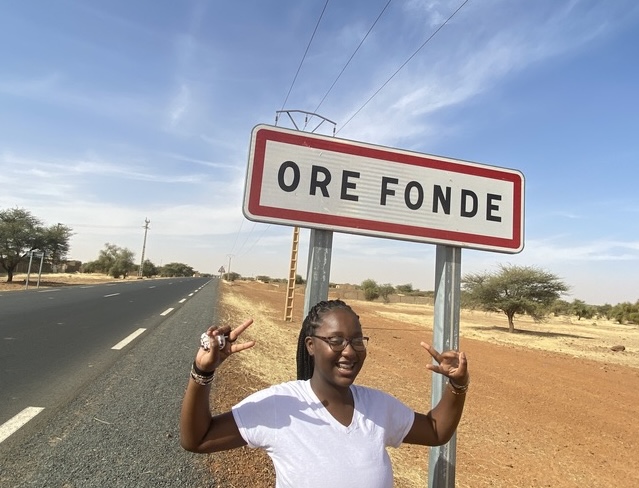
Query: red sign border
{"x": 262, "y": 134}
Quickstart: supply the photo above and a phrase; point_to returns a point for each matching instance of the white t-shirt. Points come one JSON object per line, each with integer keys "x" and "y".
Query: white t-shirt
{"x": 310, "y": 448}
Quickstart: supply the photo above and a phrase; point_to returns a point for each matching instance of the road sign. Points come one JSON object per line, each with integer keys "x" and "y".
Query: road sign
{"x": 309, "y": 180}
{"x": 221, "y": 270}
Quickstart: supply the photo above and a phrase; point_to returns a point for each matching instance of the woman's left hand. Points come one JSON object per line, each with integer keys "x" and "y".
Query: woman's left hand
{"x": 452, "y": 364}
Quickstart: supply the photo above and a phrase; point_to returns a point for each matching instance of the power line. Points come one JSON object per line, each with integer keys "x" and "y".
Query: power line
{"x": 241, "y": 248}
{"x": 404, "y": 64}
{"x": 255, "y": 241}
{"x": 353, "y": 55}
{"x": 305, "y": 53}
{"x": 237, "y": 235}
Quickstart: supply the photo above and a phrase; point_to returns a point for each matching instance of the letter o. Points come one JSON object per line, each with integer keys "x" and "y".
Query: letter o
{"x": 296, "y": 176}
{"x": 420, "y": 195}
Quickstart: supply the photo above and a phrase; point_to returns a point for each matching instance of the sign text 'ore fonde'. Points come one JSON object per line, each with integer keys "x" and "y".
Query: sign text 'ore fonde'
{"x": 309, "y": 180}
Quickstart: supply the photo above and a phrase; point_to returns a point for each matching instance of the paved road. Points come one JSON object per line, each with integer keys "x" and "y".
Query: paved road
{"x": 55, "y": 340}
{"x": 120, "y": 429}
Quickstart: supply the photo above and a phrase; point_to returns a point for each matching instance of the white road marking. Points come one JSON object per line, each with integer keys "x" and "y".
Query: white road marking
{"x": 167, "y": 311}
{"x": 13, "y": 424}
{"x": 111, "y": 295}
{"x": 191, "y": 294}
{"x": 49, "y": 291}
{"x": 127, "y": 339}
{"x": 182, "y": 301}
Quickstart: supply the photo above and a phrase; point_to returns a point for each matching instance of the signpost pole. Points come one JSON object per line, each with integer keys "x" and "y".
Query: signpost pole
{"x": 40, "y": 269}
{"x": 318, "y": 268}
{"x": 441, "y": 459}
{"x": 26, "y": 284}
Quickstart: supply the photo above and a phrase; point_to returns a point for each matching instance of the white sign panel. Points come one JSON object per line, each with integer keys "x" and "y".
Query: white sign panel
{"x": 309, "y": 180}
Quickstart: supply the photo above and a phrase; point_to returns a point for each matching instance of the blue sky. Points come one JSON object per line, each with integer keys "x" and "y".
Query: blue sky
{"x": 113, "y": 112}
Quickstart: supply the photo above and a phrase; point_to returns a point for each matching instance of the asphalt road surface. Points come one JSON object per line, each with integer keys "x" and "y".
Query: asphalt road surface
{"x": 100, "y": 372}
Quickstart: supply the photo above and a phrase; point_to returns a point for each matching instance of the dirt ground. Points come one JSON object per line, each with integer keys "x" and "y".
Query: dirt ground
{"x": 51, "y": 280}
{"x": 550, "y": 405}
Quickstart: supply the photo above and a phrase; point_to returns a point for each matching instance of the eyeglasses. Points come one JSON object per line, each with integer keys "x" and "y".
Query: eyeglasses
{"x": 338, "y": 344}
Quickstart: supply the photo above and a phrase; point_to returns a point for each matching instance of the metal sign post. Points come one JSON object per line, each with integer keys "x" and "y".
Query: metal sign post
{"x": 318, "y": 268}
{"x": 441, "y": 459}
{"x": 31, "y": 254}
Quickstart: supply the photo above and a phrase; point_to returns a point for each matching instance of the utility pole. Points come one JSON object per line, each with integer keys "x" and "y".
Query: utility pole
{"x": 146, "y": 229}
{"x": 228, "y": 272}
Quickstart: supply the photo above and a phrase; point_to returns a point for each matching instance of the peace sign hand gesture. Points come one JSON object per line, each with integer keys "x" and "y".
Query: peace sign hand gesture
{"x": 210, "y": 359}
{"x": 452, "y": 364}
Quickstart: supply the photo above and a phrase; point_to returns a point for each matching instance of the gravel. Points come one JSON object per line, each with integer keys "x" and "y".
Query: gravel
{"x": 123, "y": 429}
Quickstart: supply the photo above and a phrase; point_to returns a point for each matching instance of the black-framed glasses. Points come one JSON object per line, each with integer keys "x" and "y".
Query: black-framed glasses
{"x": 338, "y": 344}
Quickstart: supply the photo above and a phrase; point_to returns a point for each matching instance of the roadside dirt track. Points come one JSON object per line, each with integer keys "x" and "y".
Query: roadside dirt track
{"x": 534, "y": 418}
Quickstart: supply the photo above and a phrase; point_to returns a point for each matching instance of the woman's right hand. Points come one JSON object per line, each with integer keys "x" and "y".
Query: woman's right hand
{"x": 210, "y": 360}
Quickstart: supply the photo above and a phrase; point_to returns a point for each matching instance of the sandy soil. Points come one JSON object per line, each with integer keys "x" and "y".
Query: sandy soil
{"x": 550, "y": 405}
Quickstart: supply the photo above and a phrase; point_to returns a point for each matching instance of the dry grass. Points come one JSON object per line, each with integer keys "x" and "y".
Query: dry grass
{"x": 55, "y": 280}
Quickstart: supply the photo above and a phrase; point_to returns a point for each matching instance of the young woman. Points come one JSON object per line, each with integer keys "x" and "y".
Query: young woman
{"x": 321, "y": 430}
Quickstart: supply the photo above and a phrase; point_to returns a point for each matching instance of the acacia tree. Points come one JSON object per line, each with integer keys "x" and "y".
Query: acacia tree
{"x": 149, "y": 269}
{"x": 582, "y": 310}
{"x": 561, "y": 307}
{"x": 385, "y": 291}
{"x": 177, "y": 269}
{"x": 21, "y": 232}
{"x": 626, "y": 312}
{"x": 112, "y": 260}
{"x": 514, "y": 290}
{"x": 370, "y": 289}
{"x": 407, "y": 288}
{"x": 56, "y": 244}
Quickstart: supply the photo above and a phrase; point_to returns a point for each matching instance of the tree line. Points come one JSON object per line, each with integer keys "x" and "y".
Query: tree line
{"x": 22, "y": 235}
{"x": 519, "y": 290}
{"x": 511, "y": 290}
{"x": 118, "y": 262}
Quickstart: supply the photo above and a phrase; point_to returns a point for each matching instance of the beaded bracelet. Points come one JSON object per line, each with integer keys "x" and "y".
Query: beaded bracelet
{"x": 458, "y": 389}
{"x": 201, "y": 377}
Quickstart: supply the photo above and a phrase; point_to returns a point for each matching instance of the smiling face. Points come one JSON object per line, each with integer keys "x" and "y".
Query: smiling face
{"x": 336, "y": 369}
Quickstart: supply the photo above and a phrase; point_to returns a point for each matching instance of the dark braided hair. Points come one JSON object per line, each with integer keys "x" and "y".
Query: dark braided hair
{"x": 313, "y": 320}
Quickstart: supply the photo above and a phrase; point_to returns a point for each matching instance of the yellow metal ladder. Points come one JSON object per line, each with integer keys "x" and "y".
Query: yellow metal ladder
{"x": 292, "y": 274}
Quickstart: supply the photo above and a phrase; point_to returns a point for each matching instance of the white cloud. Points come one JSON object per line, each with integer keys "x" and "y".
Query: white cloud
{"x": 58, "y": 90}
{"x": 179, "y": 105}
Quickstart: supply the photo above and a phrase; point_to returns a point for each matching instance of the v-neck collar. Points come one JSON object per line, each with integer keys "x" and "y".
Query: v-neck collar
{"x": 323, "y": 411}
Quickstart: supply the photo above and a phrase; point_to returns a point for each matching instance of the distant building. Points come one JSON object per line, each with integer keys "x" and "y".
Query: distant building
{"x": 71, "y": 266}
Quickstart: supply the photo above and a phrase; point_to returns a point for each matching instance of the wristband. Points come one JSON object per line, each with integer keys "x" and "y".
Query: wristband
{"x": 458, "y": 389}
{"x": 201, "y": 377}
{"x": 201, "y": 372}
